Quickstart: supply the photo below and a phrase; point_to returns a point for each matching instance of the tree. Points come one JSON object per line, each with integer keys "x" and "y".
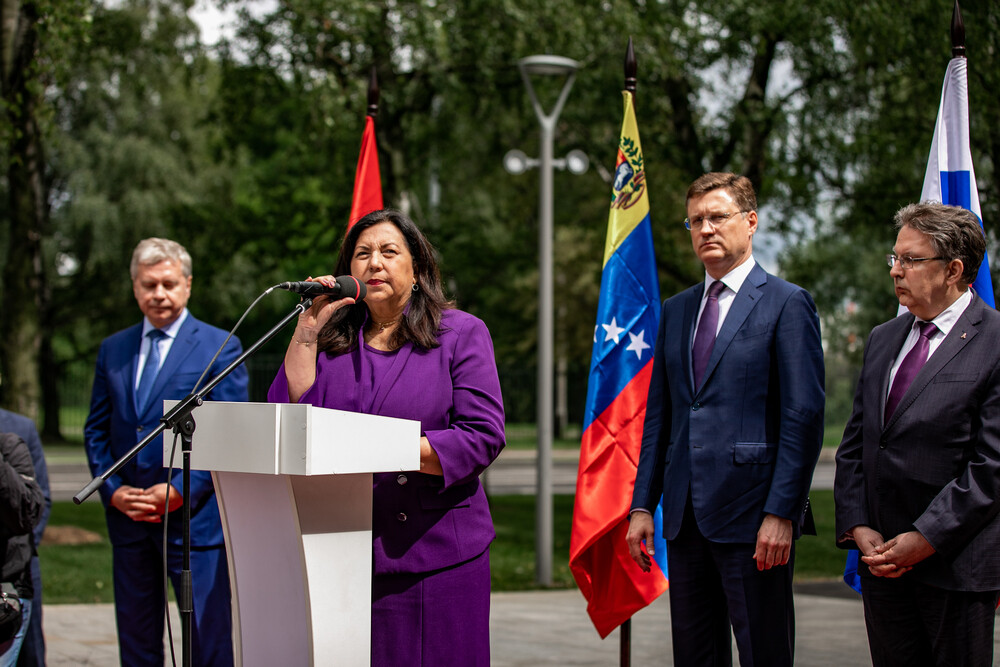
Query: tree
{"x": 25, "y": 297}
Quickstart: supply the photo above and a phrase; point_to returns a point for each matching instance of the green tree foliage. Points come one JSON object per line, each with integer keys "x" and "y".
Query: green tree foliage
{"x": 246, "y": 152}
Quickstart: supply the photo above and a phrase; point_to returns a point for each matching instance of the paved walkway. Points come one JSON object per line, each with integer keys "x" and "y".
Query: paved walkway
{"x": 528, "y": 629}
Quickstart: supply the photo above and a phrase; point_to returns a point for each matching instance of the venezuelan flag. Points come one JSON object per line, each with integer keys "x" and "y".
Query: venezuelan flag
{"x": 620, "y": 368}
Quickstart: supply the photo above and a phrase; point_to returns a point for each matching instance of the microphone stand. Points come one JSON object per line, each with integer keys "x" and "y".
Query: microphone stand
{"x": 179, "y": 419}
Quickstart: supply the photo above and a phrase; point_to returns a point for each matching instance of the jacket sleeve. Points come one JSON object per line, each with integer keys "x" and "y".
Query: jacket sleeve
{"x": 97, "y": 429}
{"x": 20, "y": 496}
{"x": 801, "y": 383}
{"x": 474, "y": 435}
{"x": 42, "y": 477}
{"x": 849, "y": 481}
{"x": 655, "y": 430}
{"x": 970, "y": 501}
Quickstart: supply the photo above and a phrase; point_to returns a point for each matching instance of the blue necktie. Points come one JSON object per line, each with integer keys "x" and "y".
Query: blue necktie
{"x": 704, "y": 338}
{"x": 149, "y": 371}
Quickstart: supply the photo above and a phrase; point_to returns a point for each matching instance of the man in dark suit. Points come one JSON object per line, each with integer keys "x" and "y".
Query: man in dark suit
{"x": 138, "y": 368}
{"x": 732, "y": 434}
{"x": 33, "y": 647}
{"x": 918, "y": 471}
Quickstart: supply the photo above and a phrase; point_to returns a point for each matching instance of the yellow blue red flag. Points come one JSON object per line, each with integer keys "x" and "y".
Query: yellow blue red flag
{"x": 620, "y": 368}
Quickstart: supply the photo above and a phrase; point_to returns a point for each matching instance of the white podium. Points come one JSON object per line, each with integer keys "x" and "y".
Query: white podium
{"x": 294, "y": 484}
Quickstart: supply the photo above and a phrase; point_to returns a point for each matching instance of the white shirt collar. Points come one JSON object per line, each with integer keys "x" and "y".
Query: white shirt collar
{"x": 735, "y": 278}
{"x": 171, "y": 330}
{"x": 948, "y": 317}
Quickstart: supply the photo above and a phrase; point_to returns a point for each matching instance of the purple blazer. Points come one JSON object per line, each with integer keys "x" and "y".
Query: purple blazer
{"x": 425, "y": 522}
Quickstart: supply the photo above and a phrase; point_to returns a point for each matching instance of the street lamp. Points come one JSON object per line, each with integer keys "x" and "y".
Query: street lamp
{"x": 516, "y": 162}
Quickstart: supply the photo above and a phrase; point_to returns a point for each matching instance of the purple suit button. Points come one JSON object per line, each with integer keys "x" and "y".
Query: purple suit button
{"x": 401, "y": 516}
{"x": 401, "y": 480}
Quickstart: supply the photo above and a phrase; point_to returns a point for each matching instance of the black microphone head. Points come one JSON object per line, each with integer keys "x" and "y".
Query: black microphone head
{"x": 351, "y": 287}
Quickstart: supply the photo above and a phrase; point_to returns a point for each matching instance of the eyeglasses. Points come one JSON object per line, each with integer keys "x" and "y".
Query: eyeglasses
{"x": 907, "y": 262}
{"x": 716, "y": 220}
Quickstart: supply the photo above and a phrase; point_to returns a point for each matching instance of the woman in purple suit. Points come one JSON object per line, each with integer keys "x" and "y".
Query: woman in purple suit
{"x": 406, "y": 352}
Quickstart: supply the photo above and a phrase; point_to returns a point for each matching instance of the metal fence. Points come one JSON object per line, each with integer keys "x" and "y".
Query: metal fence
{"x": 518, "y": 382}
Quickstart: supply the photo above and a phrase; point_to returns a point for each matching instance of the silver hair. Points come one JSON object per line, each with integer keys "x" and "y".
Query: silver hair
{"x": 155, "y": 250}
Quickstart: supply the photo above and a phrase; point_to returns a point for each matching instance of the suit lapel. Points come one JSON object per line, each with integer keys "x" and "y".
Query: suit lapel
{"x": 127, "y": 364}
{"x": 897, "y": 332}
{"x": 743, "y": 304}
{"x": 689, "y": 317}
{"x": 180, "y": 349}
{"x": 961, "y": 335}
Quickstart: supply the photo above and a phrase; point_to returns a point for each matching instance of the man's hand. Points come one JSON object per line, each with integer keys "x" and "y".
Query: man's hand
{"x": 898, "y": 556}
{"x": 867, "y": 539}
{"x": 640, "y": 529}
{"x": 161, "y": 494}
{"x": 774, "y": 542}
{"x": 146, "y": 504}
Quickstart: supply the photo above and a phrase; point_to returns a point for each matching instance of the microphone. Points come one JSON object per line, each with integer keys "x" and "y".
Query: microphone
{"x": 347, "y": 286}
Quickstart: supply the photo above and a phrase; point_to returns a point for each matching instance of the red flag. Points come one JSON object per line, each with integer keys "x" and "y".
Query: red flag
{"x": 367, "y": 181}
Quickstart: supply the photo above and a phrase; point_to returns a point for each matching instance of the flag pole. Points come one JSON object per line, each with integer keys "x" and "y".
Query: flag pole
{"x": 957, "y": 33}
{"x": 625, "y": 629}
{"x": 373, "y": 94}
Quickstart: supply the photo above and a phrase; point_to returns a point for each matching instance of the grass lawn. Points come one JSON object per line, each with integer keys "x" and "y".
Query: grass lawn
{"x": 82, "y": 573}
{"x": 78, "y": 573}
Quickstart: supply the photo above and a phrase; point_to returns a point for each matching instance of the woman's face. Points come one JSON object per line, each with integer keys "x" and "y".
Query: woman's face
{"x": 383, "y": 262}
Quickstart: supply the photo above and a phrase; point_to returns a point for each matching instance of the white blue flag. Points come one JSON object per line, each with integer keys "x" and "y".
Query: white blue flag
{"x": 950, "y": 177}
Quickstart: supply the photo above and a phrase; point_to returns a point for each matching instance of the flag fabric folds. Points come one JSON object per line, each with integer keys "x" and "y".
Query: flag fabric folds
{"x": 620, "y": 368}
{"x": 950, "y": 179}
{"x": 367, "y": 180}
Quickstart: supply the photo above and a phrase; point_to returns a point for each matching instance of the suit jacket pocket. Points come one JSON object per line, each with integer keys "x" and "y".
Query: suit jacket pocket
{"x": 956, "y": 377}
{"x": 754, "y": 452}
{"x": 753, "y": 331}
{"x": 435, "y": 496}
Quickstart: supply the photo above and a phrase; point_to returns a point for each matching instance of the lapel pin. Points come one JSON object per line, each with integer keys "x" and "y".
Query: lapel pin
{"x": 963, "y": 335}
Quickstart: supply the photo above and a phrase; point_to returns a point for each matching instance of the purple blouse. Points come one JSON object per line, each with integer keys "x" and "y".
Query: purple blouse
{"x": 424, "y": 522}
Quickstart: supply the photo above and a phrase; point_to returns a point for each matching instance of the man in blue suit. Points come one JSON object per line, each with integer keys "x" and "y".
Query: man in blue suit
{"x": 733, "y": 430}
{"x": 33, "y": 647}
{"x": 138, "y": 368}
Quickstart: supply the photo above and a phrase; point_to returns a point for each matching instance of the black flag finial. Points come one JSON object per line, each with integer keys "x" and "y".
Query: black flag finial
{"x": 957, "y": 33}
{"x": 630, "y": 68}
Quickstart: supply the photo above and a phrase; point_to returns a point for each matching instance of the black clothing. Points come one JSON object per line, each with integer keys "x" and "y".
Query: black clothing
{"x": 21, "y": 504}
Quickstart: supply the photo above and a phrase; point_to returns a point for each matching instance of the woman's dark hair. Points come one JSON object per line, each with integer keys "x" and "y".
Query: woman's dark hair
{"x": 422, "y": 318}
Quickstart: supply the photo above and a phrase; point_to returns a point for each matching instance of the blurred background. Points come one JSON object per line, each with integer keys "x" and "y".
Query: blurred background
{"x": 234, "y": 128}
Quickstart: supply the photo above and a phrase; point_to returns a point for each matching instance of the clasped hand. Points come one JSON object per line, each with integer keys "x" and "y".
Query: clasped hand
{"x": 146, "y": 504}
{"x": 894, "y": 558}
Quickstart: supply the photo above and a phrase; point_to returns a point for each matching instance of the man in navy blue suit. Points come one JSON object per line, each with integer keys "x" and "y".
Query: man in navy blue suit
{"x": 733, "y": 430}
{"x": 138, "y": 368}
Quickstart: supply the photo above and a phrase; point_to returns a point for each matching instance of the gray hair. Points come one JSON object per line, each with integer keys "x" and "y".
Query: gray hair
{"x": 155, "y": 250}
{"x": 954, "y": 233}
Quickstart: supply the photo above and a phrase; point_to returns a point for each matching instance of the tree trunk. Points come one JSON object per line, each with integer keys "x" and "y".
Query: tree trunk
{"x": 22, "y": 270}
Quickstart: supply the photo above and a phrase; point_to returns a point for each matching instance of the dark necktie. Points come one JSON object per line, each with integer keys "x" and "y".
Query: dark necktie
{"x": 704, "y": 338}
{"x": 912, "y": 363}
{"x": 149, "y": 371}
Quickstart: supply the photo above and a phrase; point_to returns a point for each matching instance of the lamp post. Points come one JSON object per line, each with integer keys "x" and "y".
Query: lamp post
{"x": 516, "y": 162}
